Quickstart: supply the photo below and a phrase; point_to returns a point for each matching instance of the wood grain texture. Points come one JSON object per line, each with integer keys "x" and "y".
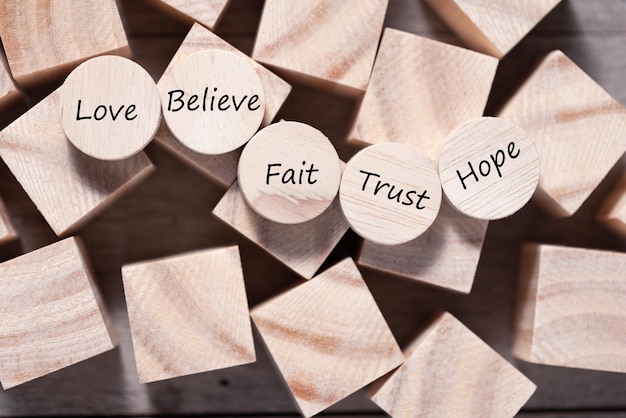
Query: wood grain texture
{"x": 414, "y": 96}
{"x": 570, "y": 308}
{"x": 8, "y": 92}
{"x": 289, "y": 172}
{"x": 612, "y": 212}
{"x": 67, "y": 186}
{"x": 445, "y": 256}
{"x": 110, "y": 108}
{"x": 326, "y": 42}
{"x": 7, "y": 230}
{"x": 449, "y": 371}
{"x": 188, "y": 314}
{"x": 206, "y": 12}
{"x": 316, "y": 238}
{"x": 324, "y": 348}
{"x": 492, "y": 28}
{"x": 566, "y": 113}
{"x": 489, "y": 168}
{"x": 45, "y": 39}
{"x": 52, "y": 316}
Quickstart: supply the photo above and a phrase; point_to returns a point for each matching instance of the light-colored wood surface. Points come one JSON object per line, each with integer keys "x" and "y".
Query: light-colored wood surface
{"x": 46, "y": 39}
{"x": 568, "y": 115}
{"x": 326, "y": 348}
{"x": 289, "y": 172}
{"x": 188, "y": 314}
{"x": 446, "y": 255}
{"x": 216, "y": 110}
{"x": 390, "y": 193}
{"x": 612, "y": 213}
{"x": 110, "y": 108}
{"x": 7, "y": 230}
{"x": 493, "y": 28}
{"x": 331, "y": 43}
{"x": 451, "y": 372}
{"x": 52, "y": 315}
{"x": 8, "y": 92}
{"x": 67, "y": 186}
{"x": 570, "y": 308}
{"x": 489, "y": 168}
{"x": 170, "y": 213}
{"x": 207, "y": 12}
{"x": 317, "y": 237}
{"x": 413, "y": 95}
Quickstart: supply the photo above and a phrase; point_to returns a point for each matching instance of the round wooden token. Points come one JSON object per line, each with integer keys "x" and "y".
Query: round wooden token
{"x": 289, "y": 172}
{"x": 213, "y": 101}
{"x": 390, "y": 193}
{"x": 110, "y": 108}
{"x": 489, "y": 168}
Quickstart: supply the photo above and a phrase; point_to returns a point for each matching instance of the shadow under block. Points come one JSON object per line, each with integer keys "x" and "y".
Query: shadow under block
{"x": 570, "y": 310}
{"x": 490, "y": 27}
{"x": 206, "y": 12}
{"x": 327, "y": 337}
{"x": 579, "y": 131}
{"x": 446, "y": 255}
{"x": 67, "y": 186}
{"x": 220, "y": 168}
{"x": 327, "y": 42}
{"x": 188, "y": 314}
{"x": 45, "y": 39}
{"x": 613, "y": 212}
{"x": 301, "y": 247}
{"x": 414, "y": 94}
{"x": 451, "y": 372}
{"x": 52, "y": 315}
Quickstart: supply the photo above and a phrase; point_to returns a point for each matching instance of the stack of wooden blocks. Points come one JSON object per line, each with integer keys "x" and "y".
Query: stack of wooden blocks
{"x": 186, "y": 311}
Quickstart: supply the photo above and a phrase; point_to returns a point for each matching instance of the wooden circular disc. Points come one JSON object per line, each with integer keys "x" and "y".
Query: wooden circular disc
{"x": 213, "y": 101}
{"x": 390, "y": 193}
{"x": 110, "y": 108}
{"x": 489, "y": 168}
{"x": 289, "y": 172}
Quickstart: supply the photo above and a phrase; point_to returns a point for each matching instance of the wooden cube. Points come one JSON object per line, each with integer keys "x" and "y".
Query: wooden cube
{"x": 446, "y": 255}
{"x": 571, "y": 308}
{"x": 67, "y": 186}
{"x": 568, "y": 115}
{"x": 188, "y": 314}
{"x": 220, "y": 168}
{"x": 492, "y": 27}
{"x": 324, "y": 42}
{"x": 327, "y": 337}
{"x": 302, "y": 247}
{"x": 612, "y": 213}
{"x": 45, "y": 39}
{"x": 51, "y": 313}
{"x": 205, "y": 12}
{"x": 420, "y": 91}
{"x": 451, "y": 372}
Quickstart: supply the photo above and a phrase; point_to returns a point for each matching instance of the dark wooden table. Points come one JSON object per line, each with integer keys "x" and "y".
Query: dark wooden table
{"x": 171, "y": 213}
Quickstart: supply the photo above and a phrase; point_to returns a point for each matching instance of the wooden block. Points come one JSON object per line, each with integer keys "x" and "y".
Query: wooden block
{"x": 489, "y": 168}
{"x": 45, "y": 39}
{"x": 7, "y": 230}
{"x": 570, "y": 308}
{"x": 304, "y": 255}
{"x": 324, "y": 347}
{"x": 492, "y": 28}
{"x": 188, "y": 314}
{"x": 451, "y": 372}
{"x": 289, "y": 172}
{"x": 8, "y": 92}
{"x": 216, "y": 110}
{"x": 567, "y": 115}
{"x": 220, "y": 168}
{"x": 67, "y": 186}
{"x": 329, "y": 43}
{"x": 414, "y": 94}
{"x": 52, "y": 314}
{"x": 390, "y": 193}
{"x": 612, "y": 213}
{"x": 110, "y": 108}
{"x": 206, "y": 12}
{"x": 446, "y": 255}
